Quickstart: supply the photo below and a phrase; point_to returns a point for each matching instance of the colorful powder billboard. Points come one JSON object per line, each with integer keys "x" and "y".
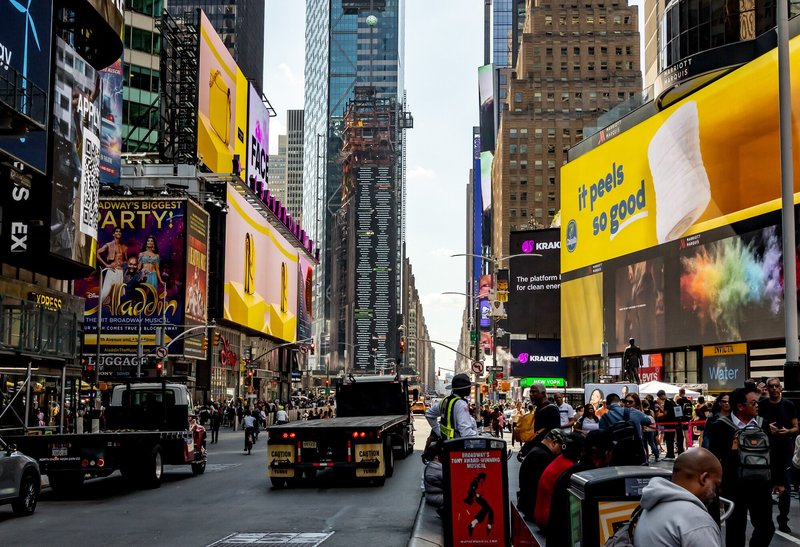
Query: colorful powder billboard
{"x": 221, "y": 103}
{"x": 76, "y": 157}
{"x": 260, "y": 272}
{"x": 686, "y": 170}
{"x": 111, "y": 123}
{"x": 142, "y": 253}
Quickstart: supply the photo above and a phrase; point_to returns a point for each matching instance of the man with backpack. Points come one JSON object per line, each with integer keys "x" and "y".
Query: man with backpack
{"x": 741, "y": 443}
{"x": 686, "y": 410}
{"x": 625, "y": 425}
{"x": 781, "y": 417}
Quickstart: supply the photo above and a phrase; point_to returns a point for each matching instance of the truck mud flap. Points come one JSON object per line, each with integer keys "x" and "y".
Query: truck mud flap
{"x": 280, "y": 460}
{"x": 369, "y": 454}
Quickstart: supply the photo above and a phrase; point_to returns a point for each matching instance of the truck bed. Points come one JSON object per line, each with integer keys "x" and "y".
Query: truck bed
{"x": 344, "y": 423}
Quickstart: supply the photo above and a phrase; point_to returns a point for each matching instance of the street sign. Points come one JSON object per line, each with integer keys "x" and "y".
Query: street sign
{"x": 473, "y": 336}
{"x": 477, "y": 367}
{"x": 161, "y": 352}
{"x": 495, "y": 368}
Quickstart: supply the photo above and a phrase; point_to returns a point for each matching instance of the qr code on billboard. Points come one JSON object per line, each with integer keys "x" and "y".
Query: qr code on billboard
{"x": 90, "y": 183}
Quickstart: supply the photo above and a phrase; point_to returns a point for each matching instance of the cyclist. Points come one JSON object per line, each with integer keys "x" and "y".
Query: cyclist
{"x": 249, "y": 424}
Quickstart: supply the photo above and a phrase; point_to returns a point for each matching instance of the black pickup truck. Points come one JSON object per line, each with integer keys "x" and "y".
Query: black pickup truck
{"x": 147, "y": 426}
{"x": 373, "y": 423}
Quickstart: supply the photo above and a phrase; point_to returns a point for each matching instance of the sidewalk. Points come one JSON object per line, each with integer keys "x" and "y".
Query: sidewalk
{"x": 428, "y": 532}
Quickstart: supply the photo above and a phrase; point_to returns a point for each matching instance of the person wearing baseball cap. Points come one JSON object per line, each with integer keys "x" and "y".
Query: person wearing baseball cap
{"x": 534, "y": 464}
{"x": 451, "y": 418}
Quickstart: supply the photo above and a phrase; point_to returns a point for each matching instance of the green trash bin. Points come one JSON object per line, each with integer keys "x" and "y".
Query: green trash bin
{"x": 602, "y": 500}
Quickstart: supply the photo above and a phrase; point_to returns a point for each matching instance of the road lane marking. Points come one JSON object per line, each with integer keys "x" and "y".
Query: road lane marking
{"x": 274, "y": 539}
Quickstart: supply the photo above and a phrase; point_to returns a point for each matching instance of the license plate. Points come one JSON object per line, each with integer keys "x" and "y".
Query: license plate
{"x": 60, "y": 452}
{"x": 309, "y": 444}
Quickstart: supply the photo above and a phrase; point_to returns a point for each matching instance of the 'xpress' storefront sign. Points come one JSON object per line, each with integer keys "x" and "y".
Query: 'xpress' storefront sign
{"x": 537, "y": 358}
{"x": 679, "y": 172}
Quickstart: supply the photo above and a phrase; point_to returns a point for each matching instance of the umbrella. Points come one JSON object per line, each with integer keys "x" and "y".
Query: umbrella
{"x": 652, "y": 388}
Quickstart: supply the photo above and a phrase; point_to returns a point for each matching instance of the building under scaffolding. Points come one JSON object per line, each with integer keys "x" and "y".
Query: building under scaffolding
{"x": 365, "y": 308}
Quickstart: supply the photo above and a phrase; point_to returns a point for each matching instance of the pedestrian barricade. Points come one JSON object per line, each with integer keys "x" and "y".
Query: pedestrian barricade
{"x": 602, "y": 500}
{"x": 688, "y": 427}
{"x": 475, "y": 473}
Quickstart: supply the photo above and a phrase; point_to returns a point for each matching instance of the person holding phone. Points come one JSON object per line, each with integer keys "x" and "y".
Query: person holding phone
{"x": 781, "y": 416}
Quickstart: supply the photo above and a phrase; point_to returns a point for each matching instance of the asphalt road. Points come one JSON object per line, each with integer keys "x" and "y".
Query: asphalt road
{"x": 232, "y": 497}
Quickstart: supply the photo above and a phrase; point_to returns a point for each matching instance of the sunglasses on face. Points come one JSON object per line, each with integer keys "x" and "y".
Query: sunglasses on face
{"x": 774, "y": 386}
{"x": 725, "y": 402}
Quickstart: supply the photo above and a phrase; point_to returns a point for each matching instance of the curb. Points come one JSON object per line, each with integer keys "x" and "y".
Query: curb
{"x": 427, "y": 530}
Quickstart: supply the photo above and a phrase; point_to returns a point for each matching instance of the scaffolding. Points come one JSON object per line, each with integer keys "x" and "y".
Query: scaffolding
{"x": 178, "y": 93}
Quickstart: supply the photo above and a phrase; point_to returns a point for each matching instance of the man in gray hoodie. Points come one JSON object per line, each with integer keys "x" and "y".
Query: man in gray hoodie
{"x": 674, "y": 513}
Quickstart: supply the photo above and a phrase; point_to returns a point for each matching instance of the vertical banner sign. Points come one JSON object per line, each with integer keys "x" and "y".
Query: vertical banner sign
{"x": 196, "y": 276}
{"x": 76, "y": 157}
{"x": 305, "y": 279}
{"x": 376, "y": 301}
{"x": 477, "y": 211}
{"x": 141, "y": 253}
{"x": 111, "y": 123}
{"x": 257, "y": 143}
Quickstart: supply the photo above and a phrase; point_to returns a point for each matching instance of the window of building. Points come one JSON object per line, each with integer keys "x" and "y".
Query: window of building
{"x": 537, "y": 196}
{"x": 537, "y": 97}
{"x": 563, "y": 65}
{"x": 537, "y": 212}
{"x": 513, "y": 196}
{"x": 617, "y": 19}
{"x": 512, "y": 164}
{"x": 537, "y": 180}
{"x": 618, "y": 50}
{"x": 512, "y": 212}
{"x": 523, "y": 181}
{"x": 523, "y": 131}
{"x": 523, "y": 164}
{"x": 551, "y": 164}
{"x": 562, "y": 20}
{"x": 512, "y": 149}
{"x": 523, "y": 212}
{"x": 564, "y": 51}
{"x": 565, "y": 133}
{"x": 523, "y": 148}
{"x": 576, "y": 50}
{"x": 537, "y": 164}
{"x": 512, "y": 132}
{"x": 575, "y": 19}
{"x": 548, "y": 19}
{"x": 551, "y": 212}
{"x": 603, "y": 65}
{"x": 551, "y": 133}
{"x": 628, "y": 50}
{"x": 517, "y": 96}
{"x": 601, "y": 19}
{"x": 590, "y": 21}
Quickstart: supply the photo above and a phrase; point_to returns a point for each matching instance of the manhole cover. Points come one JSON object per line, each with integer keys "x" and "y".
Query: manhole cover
{"x": 211, "y": 467}
{"x": 304, "y": 539}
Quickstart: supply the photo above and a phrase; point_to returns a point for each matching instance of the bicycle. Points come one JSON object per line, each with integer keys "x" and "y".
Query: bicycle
{"x": 248, "y": 439}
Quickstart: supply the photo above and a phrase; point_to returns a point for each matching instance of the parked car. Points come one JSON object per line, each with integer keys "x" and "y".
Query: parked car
{"x": 20, "y": 480}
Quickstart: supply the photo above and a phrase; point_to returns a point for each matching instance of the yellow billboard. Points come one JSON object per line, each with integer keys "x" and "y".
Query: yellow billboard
{"x": 260, "y": 272}
{"x": 707, "y": 161}
{"x": 582, "y": 315}
{"x": 221, "y": 103}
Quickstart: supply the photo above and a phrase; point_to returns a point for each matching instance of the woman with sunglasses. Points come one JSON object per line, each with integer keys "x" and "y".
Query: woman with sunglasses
{"x": 721, "y": 407}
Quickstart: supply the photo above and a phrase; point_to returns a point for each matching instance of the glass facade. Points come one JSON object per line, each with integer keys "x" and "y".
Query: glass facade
{"x": 691, "y": 26}
{"x": 240, "y": 25}
{"x": 342, "y": 51}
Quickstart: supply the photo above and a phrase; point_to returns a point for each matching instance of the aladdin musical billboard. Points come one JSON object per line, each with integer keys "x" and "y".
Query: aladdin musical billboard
{"x": 260, "y": 272}
{"x": 146, "y": 247}
{"x": 221, "y": 104}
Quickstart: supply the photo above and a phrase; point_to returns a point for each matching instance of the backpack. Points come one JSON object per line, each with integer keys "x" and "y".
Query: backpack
{"x": 687, "y": 411}
{"x": 623, "y": 431}
{"x": 752, "y": 445}
{"x": 524, "y": 429}
{"x": 623, "y": 537}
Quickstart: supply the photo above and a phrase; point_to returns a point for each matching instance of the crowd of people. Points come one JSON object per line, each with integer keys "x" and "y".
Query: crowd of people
{"x": 741, "y": 450}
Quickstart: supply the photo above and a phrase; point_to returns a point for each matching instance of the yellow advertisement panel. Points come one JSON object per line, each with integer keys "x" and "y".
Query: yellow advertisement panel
{"x": 612, "y": 516}
{"x": 221, "y": 103}
{"x": 706, "y": 161}
{"x": 582, "y": 316}
{"x": 280, "y": 453}
{"x": 260, "y": 272}
{"x": 369, "y": 453}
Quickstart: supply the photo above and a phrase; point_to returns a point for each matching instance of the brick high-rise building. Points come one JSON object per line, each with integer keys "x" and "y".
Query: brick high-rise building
{"x": 576, "y": 61}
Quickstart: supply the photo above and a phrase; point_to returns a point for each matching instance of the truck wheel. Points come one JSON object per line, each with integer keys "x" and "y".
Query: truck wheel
{"x": 277, "y": 482}
{"x": 65, "y": 483}
{"x": 153, "y": 468}
{"x": 25, "y": 504}
{"x": 198, "y": 468}
{"x": 388, "y": 458}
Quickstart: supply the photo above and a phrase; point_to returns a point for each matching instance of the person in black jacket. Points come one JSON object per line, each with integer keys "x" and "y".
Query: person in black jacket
{"x": 753, "y": 495}
{"x": 547, "y": 417}
{"x": 532, "y": 468}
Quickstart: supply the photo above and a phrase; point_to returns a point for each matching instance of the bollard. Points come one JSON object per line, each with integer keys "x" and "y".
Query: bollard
{"x": 475, "y": 472}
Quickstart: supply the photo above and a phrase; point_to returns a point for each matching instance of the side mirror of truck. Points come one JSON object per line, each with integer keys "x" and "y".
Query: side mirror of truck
{"x": 10, "y": 448}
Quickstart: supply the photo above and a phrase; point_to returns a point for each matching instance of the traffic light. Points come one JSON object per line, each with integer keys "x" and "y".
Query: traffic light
{"x": 159, "y": 368}
{"x": 403, "y": 344}
{"x": 204, "y": 344}
{"x": 311, "y": 348}
{"x": 249, "y": 373}
{"x": 215, "y": 339}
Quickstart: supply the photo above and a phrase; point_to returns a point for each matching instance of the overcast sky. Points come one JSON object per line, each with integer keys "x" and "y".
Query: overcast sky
{"x": 444, "y": 47}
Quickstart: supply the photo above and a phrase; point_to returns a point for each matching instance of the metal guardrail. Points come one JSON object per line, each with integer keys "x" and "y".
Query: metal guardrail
{"x": 23, "y": 96}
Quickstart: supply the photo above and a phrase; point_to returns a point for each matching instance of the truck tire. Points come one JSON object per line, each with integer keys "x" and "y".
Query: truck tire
{"x": 66, "y": 483}
{"x": 153, "y": 468}
{"x": 25, "y": 504}
{"x": 388, "y": 458}
{"x": 198, "y": 468}
{"x": 277, "y": 482}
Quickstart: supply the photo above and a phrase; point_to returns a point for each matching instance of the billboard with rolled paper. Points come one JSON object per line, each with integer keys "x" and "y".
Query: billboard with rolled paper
{"x": 705, "y": 162}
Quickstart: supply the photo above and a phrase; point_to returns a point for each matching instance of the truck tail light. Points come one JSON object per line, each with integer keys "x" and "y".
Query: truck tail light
{"x": 362, "y": 434}
{"x": 299, "y": 454}
{"x": 349, "y": 452}
{"x": 355, "y": 434}
{"x": 101, "y": 462}
{"x": 285, "y": 435}
{"x": 292, "y": 435}
{"x": 84, "y": 462}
